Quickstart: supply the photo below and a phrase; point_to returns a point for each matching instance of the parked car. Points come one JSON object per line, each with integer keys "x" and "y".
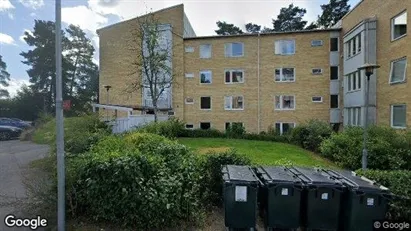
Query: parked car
{"x": 21, "y": 121}
{"x": 12, "y": 123}
{"x": 8, "y": 132}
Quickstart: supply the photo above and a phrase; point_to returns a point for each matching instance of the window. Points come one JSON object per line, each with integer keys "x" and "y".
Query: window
{"x": 205, "y": 125}
{"x": 317, "y": 99}
{"x": 316, "y": 43}
{"x": 205, "y": 77}
{"x": 234, "y": 49}
{"x": 189, "y": 126}
{"x": 284, "y": 47}
{"x": 334, "y": 101}
{"x": 353, "y": 46}
{"x": 189, "y": 49}
{"x": 286, "y": 74}
{"x": 354, "y": 116}
{"x": 284, "y": 102}
{"x": 334, "y": 72}
{"x": 317, "y": 71}
{"x": 399, "y": 26}
{"x": 205, "y": 103}
{"x": 354, "y": 81}
{"x": 399, "y": 116}
{"x": 230, "y": 124}
{"x": 333, "y": 44}
{"x": 205, "y": 51}
{"x": 282, "y": 128}
{"x": 189, "y": 100}
{"x": 233, "y": 102}
{"x": 189, "y": 75}
{"x": 398, "y": 70}
{"x": 234, "y": 76}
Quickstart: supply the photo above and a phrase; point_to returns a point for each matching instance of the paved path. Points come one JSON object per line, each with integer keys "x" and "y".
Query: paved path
{"x": 15, "y": 157}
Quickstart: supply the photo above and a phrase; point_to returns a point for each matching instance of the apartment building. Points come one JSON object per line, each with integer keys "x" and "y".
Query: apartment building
{"x": 276, "y": 79}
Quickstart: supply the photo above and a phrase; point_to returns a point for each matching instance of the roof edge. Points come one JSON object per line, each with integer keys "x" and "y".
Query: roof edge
{"x": 154, "y": 12}
{"x": 349, "y": 12}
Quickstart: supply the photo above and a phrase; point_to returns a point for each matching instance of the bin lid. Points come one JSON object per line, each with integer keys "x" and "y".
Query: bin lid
{"x": 278, "y": 174}
{"x": 239, "y": 173}
{"x": 352, "y": 181}
{"x": 314, "y": 176}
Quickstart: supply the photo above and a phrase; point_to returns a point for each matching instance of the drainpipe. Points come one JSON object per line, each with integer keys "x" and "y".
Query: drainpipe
{"x": 258, "y": 83}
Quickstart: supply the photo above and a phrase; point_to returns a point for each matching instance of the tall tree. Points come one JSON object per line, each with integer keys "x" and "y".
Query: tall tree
{"x": 290, "y": 19}
{"x": 4, "y": 78}
{"x": 333, "y": 12}
{"x": 252, "y": 28}
{"x": 151, "y": 67}
{"x": 225, "y": 28}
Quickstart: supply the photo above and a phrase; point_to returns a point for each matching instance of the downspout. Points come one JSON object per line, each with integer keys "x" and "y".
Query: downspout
{"x": 258, "y": 83}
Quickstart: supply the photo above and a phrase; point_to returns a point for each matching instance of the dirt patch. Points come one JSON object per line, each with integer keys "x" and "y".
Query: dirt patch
{"x": 216, "y": 149}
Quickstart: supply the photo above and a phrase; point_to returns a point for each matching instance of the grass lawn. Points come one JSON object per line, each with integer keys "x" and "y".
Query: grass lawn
{"x": 260, "y": 152}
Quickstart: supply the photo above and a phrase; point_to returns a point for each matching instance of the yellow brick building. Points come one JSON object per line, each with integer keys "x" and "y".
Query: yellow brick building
{"x": 275, "y": 79}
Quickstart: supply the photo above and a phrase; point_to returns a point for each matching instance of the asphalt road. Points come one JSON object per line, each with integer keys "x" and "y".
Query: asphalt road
{"x": 15, "y": 157}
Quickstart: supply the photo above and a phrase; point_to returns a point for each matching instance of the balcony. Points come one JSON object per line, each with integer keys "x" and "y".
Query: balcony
{"x": 335, "y": 115}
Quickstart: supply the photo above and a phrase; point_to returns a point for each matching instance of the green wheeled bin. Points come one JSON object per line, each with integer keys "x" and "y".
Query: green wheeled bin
{"x": 281, "y": 197}
{"x": 364, "y": 201}
{"x": 321, "y": 199}
{"x": 240, "y": 187}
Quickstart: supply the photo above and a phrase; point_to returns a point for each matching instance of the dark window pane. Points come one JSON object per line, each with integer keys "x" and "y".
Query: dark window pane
{"x": 278, "y": 128}
{"x": 205, "y": 125}
{"x": 334, "y": 101}
{"x": 227, "y": 126}
{"x": 334, "y": 44}
{"x": 334, "y": 72}
{"x": 189, "y": 126}
{"x": 227, "y": 77}
{"x": 205, "y": 102}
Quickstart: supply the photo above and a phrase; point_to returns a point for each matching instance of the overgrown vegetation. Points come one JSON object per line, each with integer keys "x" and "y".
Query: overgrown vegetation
{"x": 311, "y": 135}
{"x": 399, "y": 183}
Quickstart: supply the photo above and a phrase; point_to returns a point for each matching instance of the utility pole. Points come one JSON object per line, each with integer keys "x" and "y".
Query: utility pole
{"x": 59, "y": 127}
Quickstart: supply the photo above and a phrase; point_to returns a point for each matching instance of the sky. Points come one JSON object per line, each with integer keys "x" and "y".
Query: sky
{"x": 17, "y": 16}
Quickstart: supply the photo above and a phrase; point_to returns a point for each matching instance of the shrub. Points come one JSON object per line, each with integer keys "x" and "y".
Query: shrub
{"x": 387, "y": 149}
{"x": 210, "y": 133}
{"x": 171, "y": 128}
{"x": 266, "y": 137}
{"x": 139, "y": 180}
{"x": 235, "y": 130}
{"x": 211, "y": 165}
{"x": 399, "y": 183}
{"x": 310, "y": 135}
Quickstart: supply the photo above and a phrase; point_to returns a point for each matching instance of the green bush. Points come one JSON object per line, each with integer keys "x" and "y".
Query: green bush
{"x": 171, "y": 128}
{"x": 399, "y": 183}
{"x": 210, "y": 133}
{"x": 310, "y": 135}
{"x": 138, "y": 180}
{"x": 211, "y": 165}
{"x": 387, "y": 148}
{"x": 266, "y": 137}
{"x": 235, "y": 130}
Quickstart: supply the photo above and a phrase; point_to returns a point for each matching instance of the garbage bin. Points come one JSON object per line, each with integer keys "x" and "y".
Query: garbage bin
{"x": 363, "y": 203}
{"x": 321, "y": 199}
{"x": 240, "y": 188}
{"x": 281, "y": 197}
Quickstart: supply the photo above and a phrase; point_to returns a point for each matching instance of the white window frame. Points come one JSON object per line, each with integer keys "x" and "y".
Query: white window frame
{"x": 312, "y": 99}
{"x": 354, "y": 45}
{"x": 199, "y": 124}
{"x": 392, "y": 116}
{"x": 320, "y": 73}
{"x": 189, "y": 128}
{"x": 392, "y": 69}
{"x": 189, "y": 49}
{"x": 202, "y": 56}
{"x": 280, "y": 43}
{"x": 392, "y": 25}
{"x": 231, "y": 103}
{"x": 321, "y": 43}
{"x": 350, "y": 81}
{"x": 281, "y": 103}
{"x": 354, "y": 112}
{"x": 282, "y": 124}
{"x": 231, "y": 75}
{"x": 230, "y": 55}
{"x": 186, "y": 102}
{"x": 211, "y": 103}
{"x": 189, "y": 75}
{"x": 206, "y": 71}
{"x": 231, "y": 123}
{"x": 282, "y": 76}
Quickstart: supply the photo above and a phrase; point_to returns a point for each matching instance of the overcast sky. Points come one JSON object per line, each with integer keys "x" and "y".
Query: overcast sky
{"x": 17, "y": 16}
